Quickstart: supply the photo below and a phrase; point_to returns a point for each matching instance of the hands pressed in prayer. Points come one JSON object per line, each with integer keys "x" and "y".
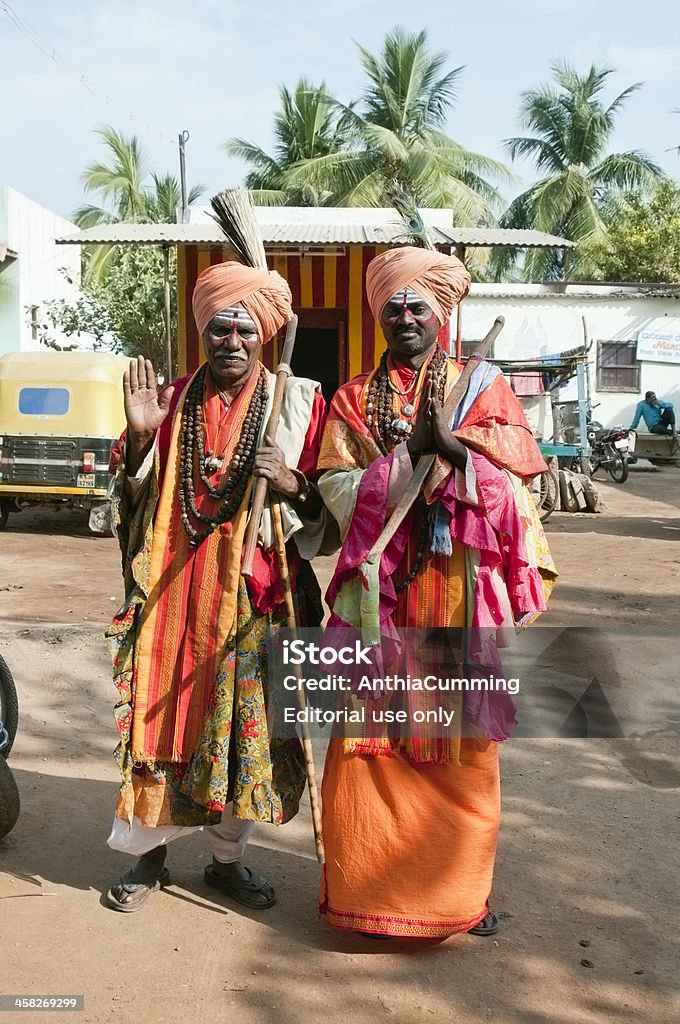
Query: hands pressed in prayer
{"x": 145, "y": 409}
{"x": 431, "y": 431}
{"x": 446, "y": 444}
{"x": 421, "y": 440}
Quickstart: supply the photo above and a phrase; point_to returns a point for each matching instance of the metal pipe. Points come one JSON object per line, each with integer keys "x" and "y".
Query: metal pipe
{"x": 582, "y": 413}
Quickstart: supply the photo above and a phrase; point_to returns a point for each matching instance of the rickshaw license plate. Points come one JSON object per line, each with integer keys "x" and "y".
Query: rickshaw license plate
{"x": 85, "y": 480}
{"x": 622, "y": 443}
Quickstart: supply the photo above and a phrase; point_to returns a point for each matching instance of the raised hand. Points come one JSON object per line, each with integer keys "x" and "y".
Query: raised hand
{"x": 145, "y": 409}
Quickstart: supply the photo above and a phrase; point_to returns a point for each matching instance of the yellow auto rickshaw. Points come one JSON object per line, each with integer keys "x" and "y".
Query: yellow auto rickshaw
{"x": 60, "y": 412}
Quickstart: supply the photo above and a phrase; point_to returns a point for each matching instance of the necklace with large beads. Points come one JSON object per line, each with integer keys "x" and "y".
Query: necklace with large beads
{"x": 194, "y": 461}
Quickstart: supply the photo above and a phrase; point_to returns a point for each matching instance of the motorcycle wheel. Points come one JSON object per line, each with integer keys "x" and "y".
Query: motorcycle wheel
{"x": 9, "y": 705}
{"x": 618, "y": 469}
{"x": 10, "y": 804}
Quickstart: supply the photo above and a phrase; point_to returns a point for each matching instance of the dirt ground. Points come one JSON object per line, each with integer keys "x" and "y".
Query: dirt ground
{"x": 587, "y": 873}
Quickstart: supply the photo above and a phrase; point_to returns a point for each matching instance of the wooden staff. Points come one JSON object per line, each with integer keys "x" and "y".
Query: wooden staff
{"x": 283, "y": 372}
{"x": 302, "y": 701}
{"x": 425, "y": 462}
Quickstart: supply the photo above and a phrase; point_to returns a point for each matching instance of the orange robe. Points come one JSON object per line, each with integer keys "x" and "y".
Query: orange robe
{"x": 411, "y": 828}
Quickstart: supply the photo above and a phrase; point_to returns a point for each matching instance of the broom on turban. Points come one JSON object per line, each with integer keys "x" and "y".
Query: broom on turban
{"x": 233, "y": 211}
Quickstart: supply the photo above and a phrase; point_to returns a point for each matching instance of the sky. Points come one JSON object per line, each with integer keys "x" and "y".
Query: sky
{"x": 213, "y": 68}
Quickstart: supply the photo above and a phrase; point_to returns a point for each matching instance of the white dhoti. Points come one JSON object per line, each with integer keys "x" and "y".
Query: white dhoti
{"x": 228, "y": 840}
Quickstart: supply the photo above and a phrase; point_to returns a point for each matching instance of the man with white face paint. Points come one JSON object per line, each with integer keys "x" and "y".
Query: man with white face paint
{"x": 188, "y": 645}
{"x": 411, "y": 817}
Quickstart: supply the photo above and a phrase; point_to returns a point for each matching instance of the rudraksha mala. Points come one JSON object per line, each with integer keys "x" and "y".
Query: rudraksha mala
{"x": 193, "y": 459}
{"x": 379, "y": 412}
{"x": 380, "y": 418}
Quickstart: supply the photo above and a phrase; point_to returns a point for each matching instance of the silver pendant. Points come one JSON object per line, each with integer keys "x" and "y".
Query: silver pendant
{"x": 401, "y": 426}
{"x": 407, "y": 409}
{"x": 212, "y": 464}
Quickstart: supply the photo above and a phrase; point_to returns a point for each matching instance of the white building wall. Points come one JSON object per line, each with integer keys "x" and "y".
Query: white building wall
{"x": 34, "y": 278}
{"x": 536, "y": 327}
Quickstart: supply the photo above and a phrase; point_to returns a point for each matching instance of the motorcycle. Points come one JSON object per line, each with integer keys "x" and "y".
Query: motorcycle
{"x": 609, "y": 448}
{"x": 9, "y": 720}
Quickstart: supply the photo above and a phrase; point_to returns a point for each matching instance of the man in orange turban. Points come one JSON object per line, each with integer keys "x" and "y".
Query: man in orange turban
{"x": 189, "y": 643}
{"x": 440, "y": 281}
{"x": 411, "y": 813}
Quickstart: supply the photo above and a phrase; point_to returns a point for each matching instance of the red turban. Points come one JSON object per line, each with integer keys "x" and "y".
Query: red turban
{"x": 264, "y": 294}
{"x": 442, "y": 281}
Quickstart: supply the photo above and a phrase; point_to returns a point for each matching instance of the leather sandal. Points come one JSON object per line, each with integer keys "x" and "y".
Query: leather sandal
{"x": 244, "y": 890}
{"x": 139, "y": 889}
{"x": 489, "y": 925}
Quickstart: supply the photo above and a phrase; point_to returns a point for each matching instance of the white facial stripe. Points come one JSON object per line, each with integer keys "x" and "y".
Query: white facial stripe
{"x": 406, "y": 295}
{"x": 235, "y": 314}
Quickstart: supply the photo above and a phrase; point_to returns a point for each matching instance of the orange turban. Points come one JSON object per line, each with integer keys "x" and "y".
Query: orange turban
{"x": 264, "y": 293}
{"x": 442, "y": 281}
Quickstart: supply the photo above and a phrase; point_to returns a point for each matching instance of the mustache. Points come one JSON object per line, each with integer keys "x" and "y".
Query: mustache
{"x": 223, "y": 353}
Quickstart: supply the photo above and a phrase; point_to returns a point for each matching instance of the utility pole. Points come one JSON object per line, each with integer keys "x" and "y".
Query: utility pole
{"x": 183, "y": 139}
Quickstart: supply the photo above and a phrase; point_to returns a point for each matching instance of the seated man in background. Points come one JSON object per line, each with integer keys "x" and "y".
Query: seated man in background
{"x": 659, "y": 416}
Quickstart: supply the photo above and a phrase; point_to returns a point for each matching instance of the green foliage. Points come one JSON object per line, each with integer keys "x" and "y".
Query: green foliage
{"x": 129, "y": 192}
{"x": 307, "y": 125}
{"x": 332, "y": 154}
{"x": 121, "y": 306}
{"x": 643, "y": 238}
{"x": 571, "y": 128}
{"x": 123, "y": 312}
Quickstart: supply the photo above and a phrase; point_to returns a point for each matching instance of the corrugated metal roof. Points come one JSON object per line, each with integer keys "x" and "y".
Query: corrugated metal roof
{"x": 285, "y": 225}
{"x": 573, "y": 292}
{"x": 514, "y": 237}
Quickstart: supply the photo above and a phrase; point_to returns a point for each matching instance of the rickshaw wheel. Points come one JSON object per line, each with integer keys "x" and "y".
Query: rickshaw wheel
{"x": 4, "y": 514}
{"x": 548, "y": 495}
{"x": 9, "y": 706}
{"x": 10, "y": 803}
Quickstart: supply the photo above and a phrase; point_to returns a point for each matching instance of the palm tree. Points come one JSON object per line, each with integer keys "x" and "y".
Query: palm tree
{"x": 307, "y": 125}
{"x": 126, "y": 195}
{"x": 398, "y": 139}
{"x": 165, "y": 198}
{"x": 118, "y": 182}
{"x": 571, "y": 129}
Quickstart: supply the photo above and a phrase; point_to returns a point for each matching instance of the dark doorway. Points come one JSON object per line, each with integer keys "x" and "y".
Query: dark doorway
{"x": 320, "y": 348}
{"x": 316, "y": 356}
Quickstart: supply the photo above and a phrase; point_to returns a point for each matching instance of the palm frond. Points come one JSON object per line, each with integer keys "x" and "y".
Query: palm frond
{"x": 89, "y": 216}
{"x": 268, "y": 196}
{"x": 631, "y": 170}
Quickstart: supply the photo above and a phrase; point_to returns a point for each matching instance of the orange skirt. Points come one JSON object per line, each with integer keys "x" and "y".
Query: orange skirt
{"x": 410, "y": 849}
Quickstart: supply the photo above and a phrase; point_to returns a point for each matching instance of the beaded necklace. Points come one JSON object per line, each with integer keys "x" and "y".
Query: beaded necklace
{"x": 388, "y": 431}
{"x": 193, "y": 459}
